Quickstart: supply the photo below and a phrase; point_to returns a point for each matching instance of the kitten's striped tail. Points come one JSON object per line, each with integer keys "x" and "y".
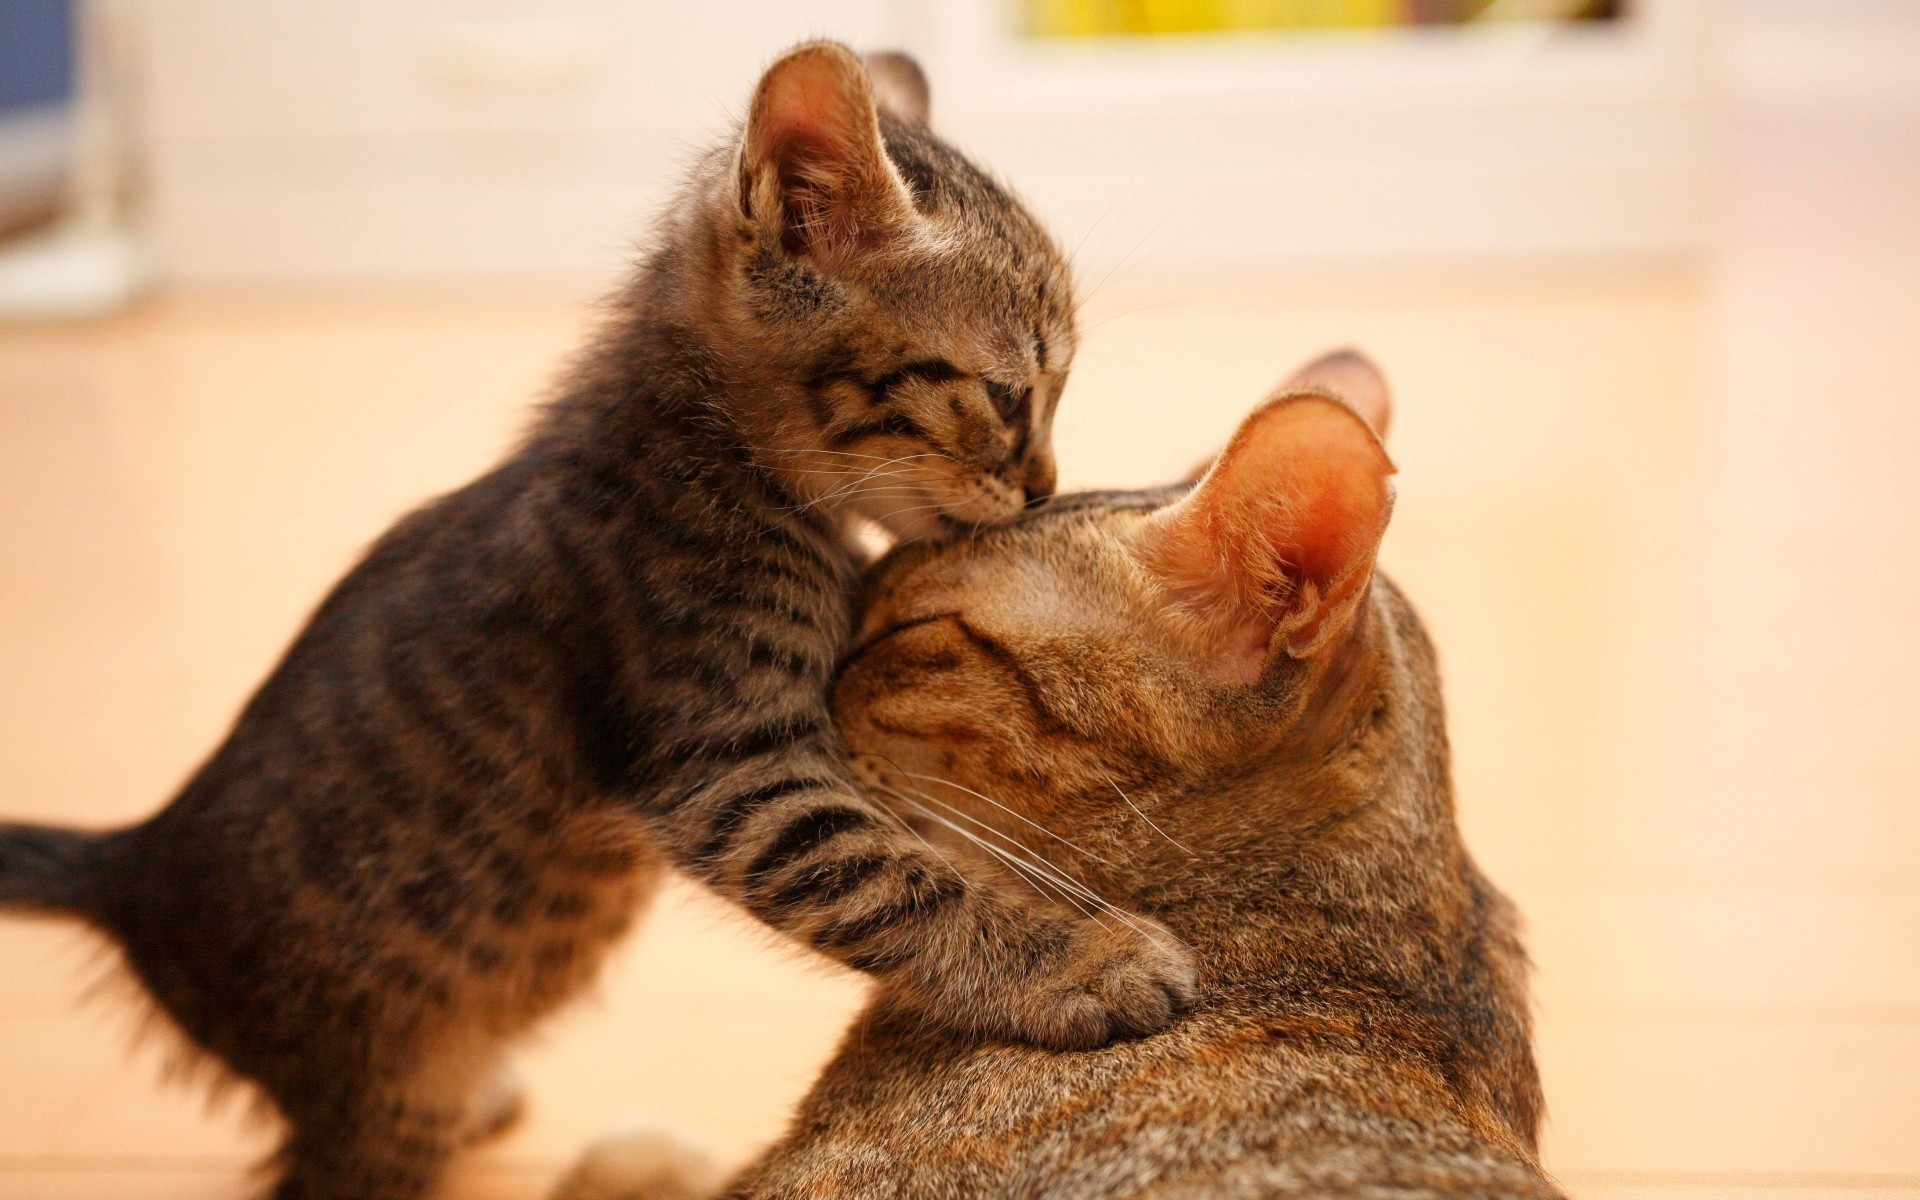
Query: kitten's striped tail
{"x": 46, "y": 869}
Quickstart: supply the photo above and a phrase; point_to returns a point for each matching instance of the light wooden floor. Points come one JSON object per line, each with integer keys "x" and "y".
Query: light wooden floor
{"x": 1665, "y": 526}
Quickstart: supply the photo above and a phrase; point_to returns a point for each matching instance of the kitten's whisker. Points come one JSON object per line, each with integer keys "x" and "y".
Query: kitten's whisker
{"x": 914, "y": 508}
{"x": 1098, "y": 221}
{"x": 849, "y": 489}
{"x": 854, "y": 486}
{"x": 876, "y": 471}
{"x": 1128, "y": 312}
{"x": 1124, "y": 259}
{"x": 854, "y": 454}
{"x": 884, "y": 467}
{"x": 883, "y": 470}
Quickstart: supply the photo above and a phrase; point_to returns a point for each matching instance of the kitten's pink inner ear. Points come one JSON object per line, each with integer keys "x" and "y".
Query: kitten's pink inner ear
{"x": 813, "y": 158}
{"x": 1350, "y": 376}
{"x": 1273, "y": 551}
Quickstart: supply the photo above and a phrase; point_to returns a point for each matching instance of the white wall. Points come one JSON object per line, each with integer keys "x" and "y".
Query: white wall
{"x": 302, "y": 139}
{"x": 340, "y": 138}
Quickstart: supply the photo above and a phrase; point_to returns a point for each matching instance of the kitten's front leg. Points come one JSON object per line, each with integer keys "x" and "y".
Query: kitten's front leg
{"x": 791, "y": 839}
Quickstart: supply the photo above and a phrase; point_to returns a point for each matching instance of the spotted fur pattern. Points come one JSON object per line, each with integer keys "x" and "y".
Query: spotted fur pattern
{"x": 611, "y": 654}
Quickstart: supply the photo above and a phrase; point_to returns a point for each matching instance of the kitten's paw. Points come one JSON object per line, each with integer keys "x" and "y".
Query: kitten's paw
{"x": 1115, "y": 983}
{"x": 642, "y": 1161}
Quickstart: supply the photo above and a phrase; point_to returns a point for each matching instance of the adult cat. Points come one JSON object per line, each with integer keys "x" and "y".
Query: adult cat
{"x": 614, "y": 650}
{"x": 1206, "y": 709}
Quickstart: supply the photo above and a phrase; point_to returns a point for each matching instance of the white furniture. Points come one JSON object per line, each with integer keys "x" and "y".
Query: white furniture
{"x": 432, "y": 139}
{"x": 1431, "y": 143}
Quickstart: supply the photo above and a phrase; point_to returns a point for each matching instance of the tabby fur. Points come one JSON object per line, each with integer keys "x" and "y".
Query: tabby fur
{"x": 612, "y": 654}
{"x": 1204, "y": 709}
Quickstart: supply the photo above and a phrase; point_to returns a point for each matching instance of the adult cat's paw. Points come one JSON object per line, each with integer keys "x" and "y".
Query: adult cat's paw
{"x": 1114, "y": 982}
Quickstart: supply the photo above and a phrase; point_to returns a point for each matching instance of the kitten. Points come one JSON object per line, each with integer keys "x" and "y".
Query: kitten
{"x": 1201, "y": 707}
{"x": 612, "y": 653}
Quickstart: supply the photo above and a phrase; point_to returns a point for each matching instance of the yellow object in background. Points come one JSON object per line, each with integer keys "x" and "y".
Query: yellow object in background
{"x": 1160, "y": 18}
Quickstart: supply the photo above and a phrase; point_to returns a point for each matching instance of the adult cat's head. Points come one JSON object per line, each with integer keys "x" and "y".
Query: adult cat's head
{"x": 887, "y": 314}
{"x": 1204, "y": 706}
{"x": 1170, "y": 645}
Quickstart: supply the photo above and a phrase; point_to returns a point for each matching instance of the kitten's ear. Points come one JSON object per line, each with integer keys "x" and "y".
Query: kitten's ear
{"x": 812, "y": 165}
{"x": 900, "y": 86}
{"x": 1350, "y": 376}
{"x": 1272, "y": 553}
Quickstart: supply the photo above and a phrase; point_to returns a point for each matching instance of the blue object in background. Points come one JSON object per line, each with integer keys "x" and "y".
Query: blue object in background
{"x": 36, "y": 54}
{"x": 36, "y": 108}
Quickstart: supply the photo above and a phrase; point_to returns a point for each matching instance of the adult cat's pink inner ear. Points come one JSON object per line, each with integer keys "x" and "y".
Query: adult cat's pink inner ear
{"x": 813, "y": 160}
{"x": 1350, "y": 376}
{"x": 900, "y": 86}
{"x": 1273, "y": 551}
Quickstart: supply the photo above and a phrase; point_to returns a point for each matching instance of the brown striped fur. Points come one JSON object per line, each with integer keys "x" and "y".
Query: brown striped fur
{"x": 1073, "y": 690}
{"x": 612, "y": 654}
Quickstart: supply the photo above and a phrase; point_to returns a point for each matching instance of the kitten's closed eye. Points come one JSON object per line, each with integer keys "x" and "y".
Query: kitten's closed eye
{"x": 928, "y": 446}
{"x": 1012, "y": 403}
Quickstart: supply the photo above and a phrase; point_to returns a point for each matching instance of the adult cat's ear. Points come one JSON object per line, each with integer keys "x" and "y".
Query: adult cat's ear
{"x": 1346, "y": 375}
{"x": 812, "y": 165}
{"x": 1272, "y": 553}
{"x": 1350, "y": 376}
{"x": 900, "y": 86}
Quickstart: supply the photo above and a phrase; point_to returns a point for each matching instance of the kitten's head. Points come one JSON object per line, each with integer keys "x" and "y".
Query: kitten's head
{"x": 1161, "y": 643}
{"x": 896, "y": 326}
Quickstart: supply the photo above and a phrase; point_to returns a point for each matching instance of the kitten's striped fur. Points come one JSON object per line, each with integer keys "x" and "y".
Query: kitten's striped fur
{"x": 1189, "y": 707}
{"x": 612, "y": 653}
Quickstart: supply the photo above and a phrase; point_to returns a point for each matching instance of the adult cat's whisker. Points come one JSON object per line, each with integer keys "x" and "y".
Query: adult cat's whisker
{"x": 1003, "y": 808}
{"x": 1034, "y": 876}
{"x": 969, "y": 817}
{"x": 1025, "y": 872}
{"x": 1137, "y": 812}
{"x": 1039, "y": 862}
{"x": 907, "y": 826}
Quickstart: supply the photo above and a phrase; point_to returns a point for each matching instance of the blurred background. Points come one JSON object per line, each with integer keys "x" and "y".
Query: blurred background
{"x": 1643, "y": 273}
